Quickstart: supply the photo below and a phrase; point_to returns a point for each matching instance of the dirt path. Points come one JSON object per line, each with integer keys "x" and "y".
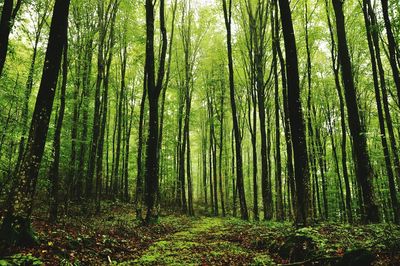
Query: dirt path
{"x": 203, "y": 243}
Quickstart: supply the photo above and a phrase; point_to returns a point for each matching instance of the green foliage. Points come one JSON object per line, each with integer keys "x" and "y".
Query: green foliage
{"x": 263, "y": 260}
{"x": 313, "y": 234}
{"x": 21, "y": 259}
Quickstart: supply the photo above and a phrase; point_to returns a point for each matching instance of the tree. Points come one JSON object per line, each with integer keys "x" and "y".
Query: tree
{"x": 16, "y": 226}
{"x": 8, "y": 15}
{"x": 338, "y": 86}
{"x": 280, "y": 215}
{"x": 297, "y": 126}
{"x": 238, "y": 138}
{"x": 373, "y": 45}
{"x": 41, "y": 9}
{"x": 153, "y": 92}
{"x": 363, "y": 169}
{"x": 54, "y": 172}
{"x": 393, "y": 51}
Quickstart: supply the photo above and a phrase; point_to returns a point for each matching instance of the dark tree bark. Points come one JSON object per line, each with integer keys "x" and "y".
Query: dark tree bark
{"x": 181, "y": 193}
{"x": 335, "y": 156}
{"x": 167, "y": 77}
{"x": 388, "y": 118}
{"x": 139, "y": 177}
{"x": 252, "y": 97}
{"x": 364, "y": 171}
{"x": 87, "y": 70}
{"x": 338, "y": 86}
{"x": 234, "y": 183}
{"x": 119, "y": 120}
{"x": 257, "y": 53}
{"x": 108, "y": 56}
{"x": 204, "y": 163}
{"x": 312, "y": 146}
{"x": 153, "y": 91}
{"x": 296, "y": 117}
{"x": 369, "y": 18}
{"x": 16, "y": 226}
{"x": 221, "y": 117}
{"x": 189, "y": 176}
{"x": 8, "y": 15}
{"x": 187, "y": 84}
{"x": 265, "y": 184}
{"x": 97, "y": 102}
{"x": 393, "y": 55}
{"x": 288, "y": 135}
{"x": 186, "y": 145}
{"x": 54, "y": 174}
{"x": 210, "y": 154}
{"x": 238, "y": 138}
{"x": 129, "y": 123}
{"x": 321, "y": 160}
{"x": 75, "y": 113}
{"x": 280, "y": 214}
{"x": 213, "y": 154}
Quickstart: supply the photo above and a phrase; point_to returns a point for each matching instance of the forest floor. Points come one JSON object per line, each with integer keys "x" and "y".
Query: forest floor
{"x": 114, "y": 238}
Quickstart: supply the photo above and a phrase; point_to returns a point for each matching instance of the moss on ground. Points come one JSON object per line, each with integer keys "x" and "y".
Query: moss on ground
{"x": 116, "y": 238}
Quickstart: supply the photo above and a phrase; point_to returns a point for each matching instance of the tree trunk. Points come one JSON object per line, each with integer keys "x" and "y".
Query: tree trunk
{"x": 54, "y": 167}
{"x": 153, "y": 91}
{"x": 139, "y": 176}
{"x": 288, "y": 135}
{"x": 238, "y": 138}
{"x": 29, "y": 86}
{"x": 338, "y": 87}
{"x": 16, "y": 226}
{"x": 280, "y": 215}
{"x": 393, "y": 55}
{"x": 8, "y": 15}
{"x": 364, "y": 170}
{"x": 369, "y": 18}
{"x": 296, "y": 118}
{"x": 335, "y": 156}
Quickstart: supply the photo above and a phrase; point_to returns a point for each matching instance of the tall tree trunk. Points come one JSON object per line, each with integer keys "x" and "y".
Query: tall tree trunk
{"x": 369, "y": 18}
{"x": 338, "y": 86}
{"x": 234, "y": 184}
{"x": 16, "y": 225}
{"x": 153, "y": 90}
{"x": 186, "y": 146}
{"x": 127, "y": 145}
{"x": 321, "y": 159}
{"x": 139, "y": 178}
{"x": 204, "y": 161}
{"x": 97, "y": 101}
{"x": 119, "y": 120}
{"x": 388, "y": 118}
{"x": 213, "y": 155}
{"x": 181, "y": 155}
{"x": 54, "y": 167}
{"x": 238, "y": 138}
{"x": 364, "y": 171}
{"x": 221, "y": 152}
{"x": 280, "y": 215}
{"x": 8, "y": 15}
{"x": 288, "y": 135}
{"x": 393, "y": 52}
{"x": 189, "y": 176}
{"x": 296, "y": 117}
{"x": 335, "y": 156}
{"x": 87, "y": 71}
{"x": 167, "y": 77}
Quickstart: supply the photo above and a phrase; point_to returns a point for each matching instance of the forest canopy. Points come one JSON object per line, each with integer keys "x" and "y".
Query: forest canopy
{"x": 266, "y": 110}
